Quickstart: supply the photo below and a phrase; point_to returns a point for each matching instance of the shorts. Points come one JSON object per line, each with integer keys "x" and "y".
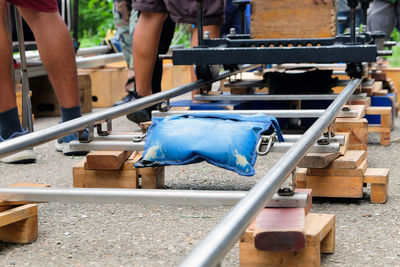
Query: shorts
{"x": 184, "y": 11}
{"x": 38, "y": 5}
{"x": 383, "y": 16}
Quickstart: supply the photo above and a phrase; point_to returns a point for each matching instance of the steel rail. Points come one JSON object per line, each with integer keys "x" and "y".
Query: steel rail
{"x": 278, "y": 113}
{"x": 219, "y": 241}
{"x": 268, "y": 97}
{"x": 36, "y": 138}
{"x": 141, "y": 196}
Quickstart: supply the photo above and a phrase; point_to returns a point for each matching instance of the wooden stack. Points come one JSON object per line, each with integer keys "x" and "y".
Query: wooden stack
{"x": 19, "y": 220}
{"x": 287, "y": 237}
{"x": 345, "y": 177}
{"x": 115, "y": 169}
{"x": 276, "y": 19}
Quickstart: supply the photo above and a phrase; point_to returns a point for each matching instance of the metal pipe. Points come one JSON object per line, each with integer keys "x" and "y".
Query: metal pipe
{"x": 27, "y": 122}
{"x": 218, "y": 242}
{"x": 102, "y": 49}
{"x": 353, "y": 25}
{"x": 279, "y": 147}
{"x": 280, "y": 113}
{"x": 36, "y": 138}
{"x": 200, "y": 41}
{"x": 141, "y": 196}
{"x": 266, "y": 97}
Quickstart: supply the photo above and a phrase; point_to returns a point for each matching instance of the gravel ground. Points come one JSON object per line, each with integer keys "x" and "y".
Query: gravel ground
{"x": 134, "y": 235}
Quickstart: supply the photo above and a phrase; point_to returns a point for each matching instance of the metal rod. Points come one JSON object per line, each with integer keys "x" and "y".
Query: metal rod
{"x": 81, "y": 63}
{"x": 140, "y": 196}
{"x": 279, "y": 113}
{"x": 219, "y": 241}
{"x": 200, "y": 23}
{"x": 288, "y": 137}
{"x": 353, "y": 25}
{"x": 27, "y": 122}
{"x": 114, "y": 145}
{"x": 266, "y": 97}
{"x": 40, "y": 137}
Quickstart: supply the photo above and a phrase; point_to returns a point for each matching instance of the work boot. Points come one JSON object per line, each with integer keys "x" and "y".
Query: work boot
{"x": 141, "y": 115}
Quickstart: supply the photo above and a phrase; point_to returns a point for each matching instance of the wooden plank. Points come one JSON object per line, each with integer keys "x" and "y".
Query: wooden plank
{"x": 343, "y": 148}
{"x": 358, "y": 129}
{"x": 106, "y": 160}
{"x": 320, "y": 237}
{"x": 356, "y": 172}
{"x": 378, "y": 110}
{"x": 351, "y": 160}
{"x": 376, "y": 175}
{"x": 317, "y": 160}
{"x": 17, "y": 214}
{"x": 276, "y": 19}
{"x": 278, "y": 229}
{"x": 21, "y": 232}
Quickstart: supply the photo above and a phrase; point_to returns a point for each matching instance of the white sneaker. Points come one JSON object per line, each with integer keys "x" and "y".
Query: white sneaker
{"x": 22, "y": 157}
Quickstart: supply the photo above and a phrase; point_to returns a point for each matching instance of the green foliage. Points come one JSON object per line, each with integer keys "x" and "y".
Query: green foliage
{"x": 95, "y": 18}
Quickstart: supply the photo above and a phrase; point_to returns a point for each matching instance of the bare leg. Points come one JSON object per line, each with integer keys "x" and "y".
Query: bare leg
{"x": 57, "y": 53}
{"x": 145, "y": 47}
{"x": 214, "y": 33}
{"x": 7, "y": 99}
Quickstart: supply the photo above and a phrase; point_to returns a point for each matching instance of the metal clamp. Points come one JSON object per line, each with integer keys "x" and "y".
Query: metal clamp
{"x": 106, "y": 132}
{"x": 139, "y": 138}
{"x": 164, "y": 106}
{"x": 86, "y": 138}
{"x": 265, "y": 140}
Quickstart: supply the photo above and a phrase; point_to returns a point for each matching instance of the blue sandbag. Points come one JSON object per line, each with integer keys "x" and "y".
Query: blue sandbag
{"x": 225, "y": 140}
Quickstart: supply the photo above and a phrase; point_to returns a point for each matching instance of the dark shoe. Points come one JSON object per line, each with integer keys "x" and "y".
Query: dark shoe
{"x": 128, "y": 98}
{"x": 141, "y": 115}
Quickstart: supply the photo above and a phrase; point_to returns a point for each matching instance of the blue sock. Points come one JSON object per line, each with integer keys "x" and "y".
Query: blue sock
{"x": 68, "y": 114}
{"x": 9, "y": 123}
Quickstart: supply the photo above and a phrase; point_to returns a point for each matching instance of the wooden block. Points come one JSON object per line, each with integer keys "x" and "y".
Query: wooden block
{"x": 106, "y": 160}
{"x": 278, "y": 229}
{"x": 152, "y": 178}
{"x": 358, "y": 129}
{"x": 317, "y": 160}
{"x": 333, "y": 186}
{"x": 276, "y": 19}
{"x": 17, "y": 214}
{"x": 378, "y": 76}
{"x": 317, "y": 227}
{"x": 356, "y": 172}
{"x": 351, "y": 160}
{"x": 108, "y": 85}
{"x": 21, "y": 232}
{"x": 343, "y": 148}
{"x": 175, "y": 75}
{"x": 126, "y": 177}
{"x": 44, "y": 100}
{"x": 320, "y": 228}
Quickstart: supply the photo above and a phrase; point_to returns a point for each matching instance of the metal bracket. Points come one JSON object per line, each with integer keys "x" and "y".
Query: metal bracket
{"x": 164, "y": 106}
{"x": 102, "y": 132}
{"x": 139, "y": 138}
{"x": 83, "y": 138}
{"x": 285, "y": 191}
{"x": 265, "y": 140}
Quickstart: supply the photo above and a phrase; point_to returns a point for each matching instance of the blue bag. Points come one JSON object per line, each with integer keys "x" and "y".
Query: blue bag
{"x": 225, "y": 140}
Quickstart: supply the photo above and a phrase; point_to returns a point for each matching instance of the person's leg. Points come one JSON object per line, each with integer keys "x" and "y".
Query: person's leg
{"x": 165, "y": 40}
{"x": 9, "y": 119}
{"x": 57, "y": 54}
{"x": 382, "y": 17}
{"x": 145, "y": 46}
